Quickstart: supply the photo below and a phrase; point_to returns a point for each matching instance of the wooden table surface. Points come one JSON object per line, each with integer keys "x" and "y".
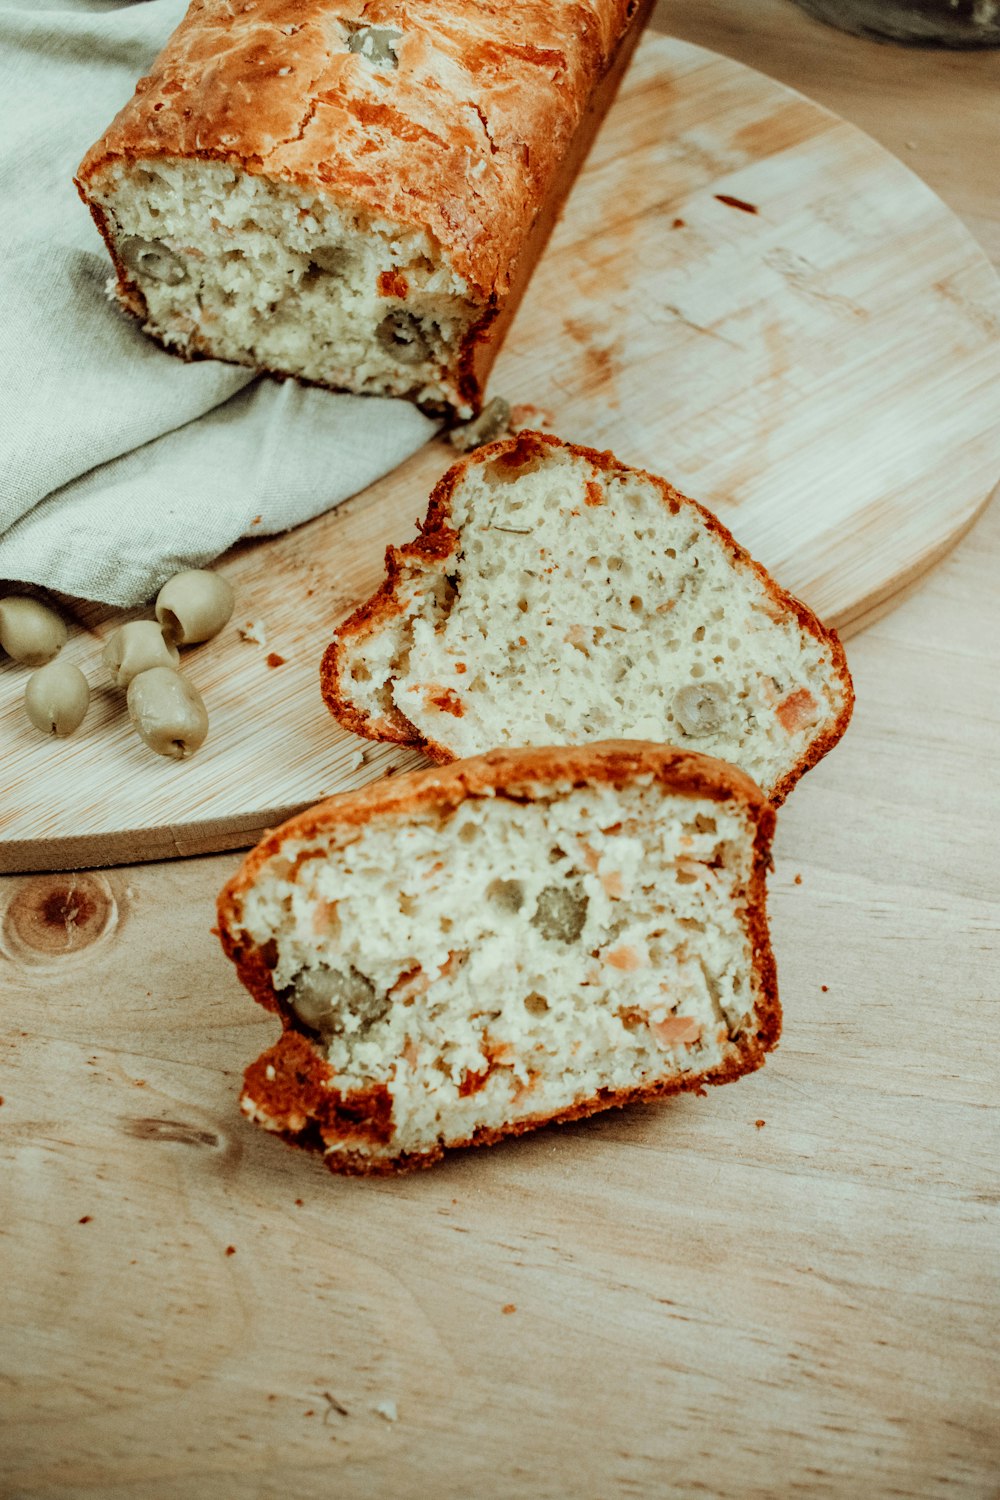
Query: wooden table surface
{"x": 787, "y": 1288}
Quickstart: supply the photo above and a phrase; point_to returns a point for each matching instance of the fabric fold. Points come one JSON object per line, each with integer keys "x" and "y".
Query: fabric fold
{"x": 122, "y": 463}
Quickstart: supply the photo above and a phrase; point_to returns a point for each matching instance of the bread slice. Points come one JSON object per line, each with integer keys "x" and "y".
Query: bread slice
{"x": 556, "y": 595}
{"x": 527, "y": 936}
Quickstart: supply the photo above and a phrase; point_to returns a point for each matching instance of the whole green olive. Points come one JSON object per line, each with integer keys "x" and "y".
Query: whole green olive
{"x": 30, "y": 632}
{"x": 167, "y": 712}
{"x": 56, "y": 698}
{"x": 194, "y": 605}
{"x": 136, "y": 647}
{"x": 377, "y": 44}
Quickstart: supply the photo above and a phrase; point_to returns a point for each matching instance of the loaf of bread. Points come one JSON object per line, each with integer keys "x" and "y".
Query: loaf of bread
{"x": 345, "y": 190}
{"x": 532, "y": 935}
{"x": 556, "y": 596}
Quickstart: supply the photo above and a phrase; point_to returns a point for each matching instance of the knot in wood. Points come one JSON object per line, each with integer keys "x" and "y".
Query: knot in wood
{"x": 51, "y": 916}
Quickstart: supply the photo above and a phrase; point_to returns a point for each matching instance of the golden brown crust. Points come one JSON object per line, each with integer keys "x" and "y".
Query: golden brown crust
{"x": 438, "y": 540}
{"x": 480, "y": 125}
{"x": 293, "y": 1058}
{"x": 273, "y": 89}
{"x": 291, "y": 1088}
{"x": 297, "y": 1084}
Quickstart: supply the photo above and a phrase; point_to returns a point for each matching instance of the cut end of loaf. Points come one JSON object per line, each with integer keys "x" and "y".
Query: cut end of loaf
{"x": 556, "y": 595}
{"x": 532, "y": 936}
{"x": 221, "y": 262}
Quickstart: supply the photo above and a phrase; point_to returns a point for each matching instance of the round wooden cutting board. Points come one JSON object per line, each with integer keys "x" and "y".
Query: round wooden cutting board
{"x": 744, "y": 294}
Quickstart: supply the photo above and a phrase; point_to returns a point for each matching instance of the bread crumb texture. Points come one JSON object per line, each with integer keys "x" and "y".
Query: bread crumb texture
{"x": 557, "y": 596}
{"x": 264, "y": 274}
{"x": 454, "y": 973}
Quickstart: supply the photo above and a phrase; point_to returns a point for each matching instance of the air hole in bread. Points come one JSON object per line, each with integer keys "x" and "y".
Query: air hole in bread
{"x": 507, "y": 894}
{"x": 332, "y": 260}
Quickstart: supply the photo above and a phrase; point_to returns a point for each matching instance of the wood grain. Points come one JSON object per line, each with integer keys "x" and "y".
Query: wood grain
{"x": 896, "y": 94}
{"x": 702, "y": 1307}
{"x": 824, "y": 371}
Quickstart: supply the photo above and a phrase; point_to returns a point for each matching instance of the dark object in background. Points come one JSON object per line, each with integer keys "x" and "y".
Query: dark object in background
{"x": 922, "y": 23}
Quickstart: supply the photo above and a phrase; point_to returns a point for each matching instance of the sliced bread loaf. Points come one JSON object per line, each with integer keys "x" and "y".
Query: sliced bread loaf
{"x": 532, "y": 935}
{"x": 352, "y": 192}
{"x": 555, "y": 595}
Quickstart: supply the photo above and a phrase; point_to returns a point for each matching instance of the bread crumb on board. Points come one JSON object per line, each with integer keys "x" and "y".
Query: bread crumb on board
{"x": 527, "y": 415}
{"x": 492, "y": 422}
{"x": 253, "y": 632}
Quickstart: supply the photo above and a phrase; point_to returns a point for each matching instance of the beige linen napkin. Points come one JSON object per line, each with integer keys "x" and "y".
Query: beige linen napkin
{"x": 119, "y": 463}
